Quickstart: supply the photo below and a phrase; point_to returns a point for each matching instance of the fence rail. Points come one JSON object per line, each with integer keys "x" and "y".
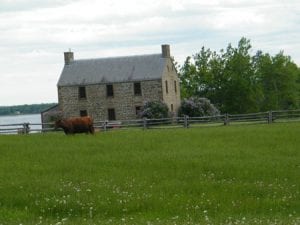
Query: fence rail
{"x": 174, "y": 122}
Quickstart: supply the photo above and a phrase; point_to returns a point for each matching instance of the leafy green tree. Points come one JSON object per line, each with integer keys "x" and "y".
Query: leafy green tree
{"x": 279, "y": 78}
{"x": 241, "y": 90}
{"x": 237, "y": 82}
{"x": 227, "y": 78}
{"x": 189, "y": 83}
{"x": 202, "y": 75}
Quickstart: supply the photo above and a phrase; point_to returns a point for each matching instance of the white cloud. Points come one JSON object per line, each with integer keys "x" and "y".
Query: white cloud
{"x": 34, "y": 34}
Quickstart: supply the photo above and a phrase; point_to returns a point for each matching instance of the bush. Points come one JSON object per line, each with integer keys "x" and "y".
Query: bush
{"x": 197, "y": 107}
{"x": 154, "y": 110}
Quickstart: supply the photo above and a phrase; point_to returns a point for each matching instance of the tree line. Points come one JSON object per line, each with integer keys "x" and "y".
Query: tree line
{"x": 236, "y": 81}
{"x": 25, "y": 109}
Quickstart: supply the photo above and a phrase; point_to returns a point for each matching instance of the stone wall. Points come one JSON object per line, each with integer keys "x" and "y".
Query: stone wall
{"x": 124, "y": 102}
{"x": 172, "y": 96}
{"x": 97, "y": 103}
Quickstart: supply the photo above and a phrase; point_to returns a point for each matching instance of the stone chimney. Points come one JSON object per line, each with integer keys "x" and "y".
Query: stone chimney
{"x": 69, "y": 57}
{"x": 165, "y": 49}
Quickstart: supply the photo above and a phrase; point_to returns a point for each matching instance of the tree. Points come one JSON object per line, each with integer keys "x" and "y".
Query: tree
{"x": 197, "y": 107}
{"x": 188, "y": 79}
{"x": 241, "y": 90}
{"x": 237, "y": 82}
{"x": 227, "y": 78}
{"x": 279, "y": 78}
{"x": 154, "y": 110}
{"x": 25, "y": 109}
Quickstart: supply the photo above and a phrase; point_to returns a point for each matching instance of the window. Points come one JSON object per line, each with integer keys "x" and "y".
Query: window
{"x": 111, "y": 114}
{"x": 109, "y": 90}
{"x": 175, "y": 86}
{"x": 83, "y": 113}
{"x": 82, "y": 93}
{"x": 172, "y": 108}
{"x": 137, "y": 110}
{"x": 166, "y": 83}
{"x": 137, "y": 88}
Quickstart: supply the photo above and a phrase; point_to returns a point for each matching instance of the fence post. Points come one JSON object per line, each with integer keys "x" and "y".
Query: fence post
{"x": 26, "y": 128}
{"x": 270, "y": 117}
{"x": 144, "y": 123}
{"x": 186, "y": 121}
{"x": 105, "y": 125}
{"x": 226, "y": 119}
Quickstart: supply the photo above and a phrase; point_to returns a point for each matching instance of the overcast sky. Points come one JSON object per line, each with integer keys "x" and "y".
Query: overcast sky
{"x": 35, "y": 33}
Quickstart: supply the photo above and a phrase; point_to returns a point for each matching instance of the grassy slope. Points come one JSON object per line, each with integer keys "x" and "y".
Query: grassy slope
{"x": 243, "y": 174}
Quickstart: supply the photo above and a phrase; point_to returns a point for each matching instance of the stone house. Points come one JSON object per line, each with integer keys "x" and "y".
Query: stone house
{"x": 116, "y": 88}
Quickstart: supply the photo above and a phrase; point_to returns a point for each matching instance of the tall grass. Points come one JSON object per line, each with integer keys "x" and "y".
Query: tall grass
{"x": 218, "y": 175}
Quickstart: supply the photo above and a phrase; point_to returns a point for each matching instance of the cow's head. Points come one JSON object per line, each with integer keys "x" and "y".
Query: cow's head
{"x": 58, "y": 124}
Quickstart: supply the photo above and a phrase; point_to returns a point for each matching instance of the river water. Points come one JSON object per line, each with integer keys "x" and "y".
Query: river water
{"x": 20, "y": 119}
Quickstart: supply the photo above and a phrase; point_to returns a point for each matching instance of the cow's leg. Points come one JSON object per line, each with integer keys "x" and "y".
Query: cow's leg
{"x": 91, "y": 129}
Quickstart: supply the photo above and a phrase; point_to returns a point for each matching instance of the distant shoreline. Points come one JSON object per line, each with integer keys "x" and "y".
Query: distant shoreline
{"x": 25, "y": 109}
{"x": 25, "y": 114}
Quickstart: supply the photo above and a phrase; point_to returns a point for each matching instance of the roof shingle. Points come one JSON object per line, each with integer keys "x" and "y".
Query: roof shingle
{"x": 110, "y": 70}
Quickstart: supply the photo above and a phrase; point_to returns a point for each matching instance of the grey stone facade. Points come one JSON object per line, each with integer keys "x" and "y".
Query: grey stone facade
{"x": 124, "y": 102}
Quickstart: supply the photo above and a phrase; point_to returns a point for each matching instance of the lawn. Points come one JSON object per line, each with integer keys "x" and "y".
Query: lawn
{"x": 246, "y": 174}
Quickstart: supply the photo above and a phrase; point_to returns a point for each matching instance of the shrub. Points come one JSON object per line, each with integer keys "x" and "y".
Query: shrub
{"x": 197, "y": 107}
{"x": 154, "y": 110}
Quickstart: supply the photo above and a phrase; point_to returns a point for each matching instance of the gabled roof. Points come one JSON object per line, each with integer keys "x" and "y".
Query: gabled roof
{"x": 110, "y": 70}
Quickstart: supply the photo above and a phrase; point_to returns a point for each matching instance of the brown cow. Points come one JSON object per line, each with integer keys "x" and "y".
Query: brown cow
{"x": 76, "y": 125}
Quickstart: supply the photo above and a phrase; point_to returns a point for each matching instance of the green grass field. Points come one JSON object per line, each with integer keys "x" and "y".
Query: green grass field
{"x": 248, "y": 174}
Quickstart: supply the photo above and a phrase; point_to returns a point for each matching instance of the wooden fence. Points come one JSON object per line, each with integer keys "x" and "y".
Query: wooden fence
{"x": 174, "y": 122}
